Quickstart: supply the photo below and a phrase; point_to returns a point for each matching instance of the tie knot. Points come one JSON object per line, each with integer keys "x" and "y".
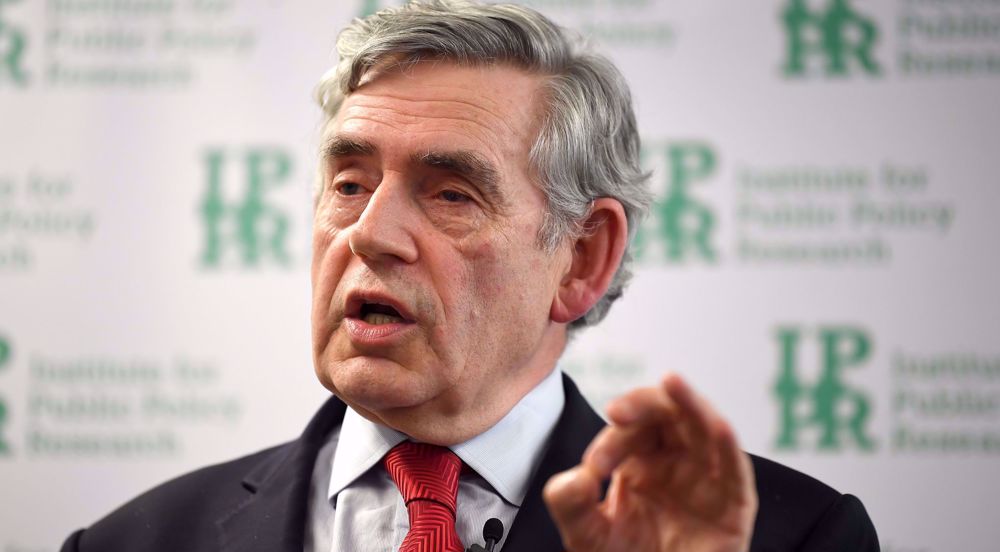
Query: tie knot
{"x": 424, "y": 472}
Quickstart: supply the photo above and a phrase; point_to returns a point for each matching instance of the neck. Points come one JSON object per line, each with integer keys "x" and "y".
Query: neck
{"x": 458, "y": 418}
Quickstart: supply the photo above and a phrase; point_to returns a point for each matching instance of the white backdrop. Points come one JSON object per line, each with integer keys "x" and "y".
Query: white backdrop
{"x": 821, "y": 262}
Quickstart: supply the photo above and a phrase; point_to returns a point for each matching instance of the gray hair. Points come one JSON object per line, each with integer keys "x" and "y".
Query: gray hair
{"x": 588, "y": 145}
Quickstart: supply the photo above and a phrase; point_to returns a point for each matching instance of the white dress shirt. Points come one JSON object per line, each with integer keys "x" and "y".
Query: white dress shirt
{"x": 355, "y": 507}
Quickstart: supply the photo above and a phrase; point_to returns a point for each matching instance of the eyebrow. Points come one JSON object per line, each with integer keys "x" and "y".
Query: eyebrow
{"x": 342, "y": 146}
{"x": 469, "y": 165}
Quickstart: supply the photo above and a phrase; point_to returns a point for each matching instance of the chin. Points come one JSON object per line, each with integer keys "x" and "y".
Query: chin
{"x": 375, "y": 384}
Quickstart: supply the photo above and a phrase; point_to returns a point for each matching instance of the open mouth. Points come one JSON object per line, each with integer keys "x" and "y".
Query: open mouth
{"x": 377, "y": 314}
{"x": 376, "y": 319}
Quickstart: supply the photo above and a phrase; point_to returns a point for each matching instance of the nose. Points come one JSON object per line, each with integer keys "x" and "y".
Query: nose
{"x": 386, "y": 228}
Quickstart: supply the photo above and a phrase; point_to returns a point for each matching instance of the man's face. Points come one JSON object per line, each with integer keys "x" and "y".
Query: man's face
{"x": 431, "y": 296}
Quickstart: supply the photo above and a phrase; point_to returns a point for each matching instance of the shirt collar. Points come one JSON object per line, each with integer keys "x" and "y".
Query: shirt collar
{"x": 505, "y": 455}
{"x": 367, "y": 442}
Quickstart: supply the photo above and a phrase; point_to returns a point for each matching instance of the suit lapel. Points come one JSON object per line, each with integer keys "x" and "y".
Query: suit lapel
{"x": 533, "y": 529}
{"x": 273, "y": 515}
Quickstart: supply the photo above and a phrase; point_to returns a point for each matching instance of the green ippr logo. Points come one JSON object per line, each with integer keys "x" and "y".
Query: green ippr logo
{"x": 251, "y": 227}
{"x": 834, "y": 33}
{"x": 4, "y": 359}
{"x": 13, "y": 42}
{"x": 683, "y": 226}
{"x": 837, "y": 411}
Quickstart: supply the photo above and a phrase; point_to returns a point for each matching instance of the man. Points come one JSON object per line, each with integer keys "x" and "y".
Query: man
{"x": 479, "y": 184}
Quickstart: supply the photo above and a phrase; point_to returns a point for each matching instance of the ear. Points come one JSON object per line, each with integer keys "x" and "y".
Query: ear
{"x": 595, "y": 258}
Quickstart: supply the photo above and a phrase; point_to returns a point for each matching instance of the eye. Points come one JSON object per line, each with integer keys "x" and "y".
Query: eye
{"x": 451, "y": 196}
{"x": 348, "y": 188}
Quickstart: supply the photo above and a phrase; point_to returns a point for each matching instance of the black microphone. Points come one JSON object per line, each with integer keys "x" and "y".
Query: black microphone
{"x": 492, "y": 533}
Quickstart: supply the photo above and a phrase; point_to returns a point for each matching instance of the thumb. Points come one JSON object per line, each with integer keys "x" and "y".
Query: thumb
{"x": 573, "y": 500}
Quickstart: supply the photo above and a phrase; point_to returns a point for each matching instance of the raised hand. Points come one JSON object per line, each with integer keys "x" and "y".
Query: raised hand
{"x": 679, "y": 481}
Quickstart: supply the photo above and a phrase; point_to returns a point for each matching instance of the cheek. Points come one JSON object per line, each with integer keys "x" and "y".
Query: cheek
{"x": 322, "y": 238}
{"x": 328, "y": 265}
{"x": 487, "y": 267}
{"x": 510, "y": 298}
{"x": 502, "y": 281}
{"x": 469, "y": 283}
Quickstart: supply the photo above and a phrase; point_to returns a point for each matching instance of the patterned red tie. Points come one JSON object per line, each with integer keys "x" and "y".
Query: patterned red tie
{"x": 427, "y": 477}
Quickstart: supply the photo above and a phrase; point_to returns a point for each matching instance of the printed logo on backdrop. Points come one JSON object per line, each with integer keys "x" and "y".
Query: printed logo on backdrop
{"x": 833, "y": 33}
{"x": 681, "y": 227}
{"x": 938, "y": 402}
{"x": 839, "y": 215}
{"x": 242, "y": 224}
{"x": 941, "y": 39}
{"x": 125, "y": 45}
{"x": 5, "y": 355}
{"x": 43, "y": 213}
{"x": 122, "y": 406}
{"x": 799, "y": 214}
{"x": 13, "y": 45}
{"x": 826, "y": 405}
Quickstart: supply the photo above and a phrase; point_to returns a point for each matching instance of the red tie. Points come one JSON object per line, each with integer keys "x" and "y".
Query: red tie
{"x": 427, "y": 477}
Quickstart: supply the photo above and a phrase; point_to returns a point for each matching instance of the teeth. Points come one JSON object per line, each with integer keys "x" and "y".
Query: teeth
{"x": 376, "y": 318}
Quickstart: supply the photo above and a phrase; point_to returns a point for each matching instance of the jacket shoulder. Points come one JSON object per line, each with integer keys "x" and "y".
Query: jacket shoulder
{"x": 797, "y": 512}
{"x": 180, "y": 514}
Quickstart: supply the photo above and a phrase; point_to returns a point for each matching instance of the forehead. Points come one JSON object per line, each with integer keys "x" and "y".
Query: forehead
{"x": 438, "y": 105}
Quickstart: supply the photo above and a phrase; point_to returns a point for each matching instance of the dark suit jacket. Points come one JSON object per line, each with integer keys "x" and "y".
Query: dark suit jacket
{"x": 259, "y": 502}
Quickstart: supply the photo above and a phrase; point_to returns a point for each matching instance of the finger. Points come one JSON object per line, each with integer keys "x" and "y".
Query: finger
{"x": 613, "y": 444}
{"x": 645, "y": 423}
{"x": 696, "y": 411}
{"x": 735, "y": 467}
{"x": 573, "y": 500}
{"x": 727, "y": 459}
{"x": 641, "y": 406}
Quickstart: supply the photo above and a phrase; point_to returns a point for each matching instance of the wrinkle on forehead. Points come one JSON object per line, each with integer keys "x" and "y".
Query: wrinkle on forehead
{"x": 446, "y": 110}
{"x": 499, "y": 101}
{"x": 506, "y": 79}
